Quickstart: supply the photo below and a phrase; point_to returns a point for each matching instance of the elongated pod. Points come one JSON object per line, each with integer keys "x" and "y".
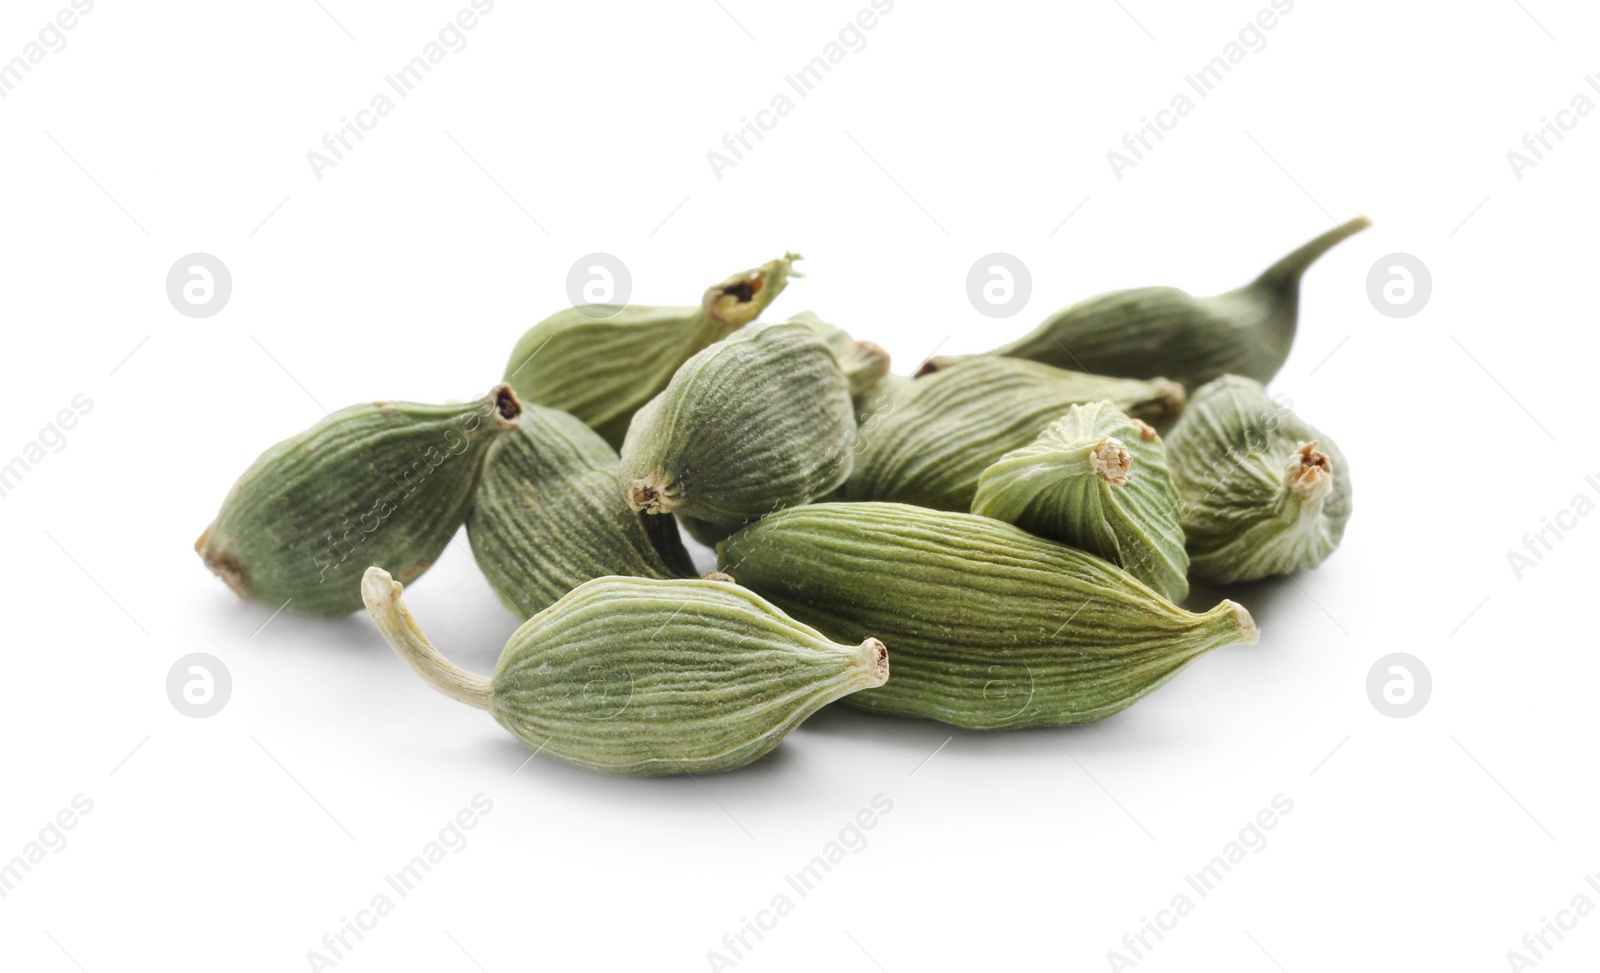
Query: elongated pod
{"x": 603, "y": 363}
{"x": 384, "y": 483}
{"x": 992, "y": 628}
{"x": 1151, "y": 331}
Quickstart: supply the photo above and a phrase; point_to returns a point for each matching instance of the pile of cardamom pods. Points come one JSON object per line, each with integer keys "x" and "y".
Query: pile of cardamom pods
{"x": 1016, "y": 528}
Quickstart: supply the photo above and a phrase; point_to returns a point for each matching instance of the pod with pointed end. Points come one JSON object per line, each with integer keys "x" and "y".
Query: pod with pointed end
{"x": 385, "y": 483}
{"x": 759, "y": 421}
{"x": 1151, "y": 331}
{"x": 992, "y": 628}
{"x": 547, "y": 516}
{"x": 945, "y": 429}
{"x": 1264, "y": 492}
{"x": 644, "y": 677}
{"x": 602, "y": 369}
{"x": 1098, "y": 480}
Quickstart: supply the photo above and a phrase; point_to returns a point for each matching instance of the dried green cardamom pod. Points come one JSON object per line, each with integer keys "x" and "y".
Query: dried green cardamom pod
{"x": 945, "y": 428}
{"x": 1151, "y": 331}
{"x": 547, "y": 516}
{"x": 1098, "y": 480}
{"x": 992, "y": 628}
{"x": 865, "y": 363}
{"x": 759, "y": 421}
{"x": 602, "y": 363}
{"x": 645, "y": 677}
{"x": 879, "y": 400}
{"x": 386, "y": 483}
{"x": 1264, "y": 493}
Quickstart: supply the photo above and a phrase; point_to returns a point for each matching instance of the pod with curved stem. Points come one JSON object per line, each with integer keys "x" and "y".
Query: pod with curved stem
{"x": 644, "y": 677}
{"x": 1163, "y": 331}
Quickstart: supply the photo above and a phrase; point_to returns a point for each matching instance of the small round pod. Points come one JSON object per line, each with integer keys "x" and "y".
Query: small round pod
{"x": 645, "y": 678}
{"x": 547, "y": 516}
{"x": 1264, "y": 492}
{"x": 760, "y": 421}
{"x": 1096, "y": 479}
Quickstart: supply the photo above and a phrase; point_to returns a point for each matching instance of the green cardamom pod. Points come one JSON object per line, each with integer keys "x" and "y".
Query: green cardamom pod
{"x": 1151, "y": 331}
{"x": 645, "y": 677}
{"x": 385, "y": 483}
{"x": 865, "y": 363}
{"x": 602, "y": 363}
{"x": 992, "y": 628}
{"x": 1264, "y": 493}
{"x": 759, "y": 421}
{"x": 879, "y": 400}
{"x": 947, "y": 427}
{"x": 548, "y": 517}
{"x": 1098, "y": 480}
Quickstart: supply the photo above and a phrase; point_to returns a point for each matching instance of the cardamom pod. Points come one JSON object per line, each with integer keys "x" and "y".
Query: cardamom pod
{"x": 945, "y": 428}
{"x": 1264, "y": 492}
{"x": 645, "y": 677}
{"x": 385, "y": 483}
{"x": 1151, "y": 331}
{"x": 548, "y": 517}
{"x": 879, "y": 400}
{"x": 992, "y": 627}
{"x": 865, "y": 363}
{"x": 602, "y": 369}
{"x": 1098, "y": 480}
{"x": 758, "y": 421}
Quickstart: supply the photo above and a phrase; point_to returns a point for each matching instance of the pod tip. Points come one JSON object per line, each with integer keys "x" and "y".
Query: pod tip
{"x": 1111, "y": 460}
{"x": 1248, "y": 633}
{"x": 379, "y": 588}
{"x": 875, "y": 659}
{"x": 1310, "y": 472}
{"x": 650, "y": 494}
{"x": 507, "y": 407}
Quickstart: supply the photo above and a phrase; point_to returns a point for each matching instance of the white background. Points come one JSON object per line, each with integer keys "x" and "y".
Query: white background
{"x": 408, "y": 271}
